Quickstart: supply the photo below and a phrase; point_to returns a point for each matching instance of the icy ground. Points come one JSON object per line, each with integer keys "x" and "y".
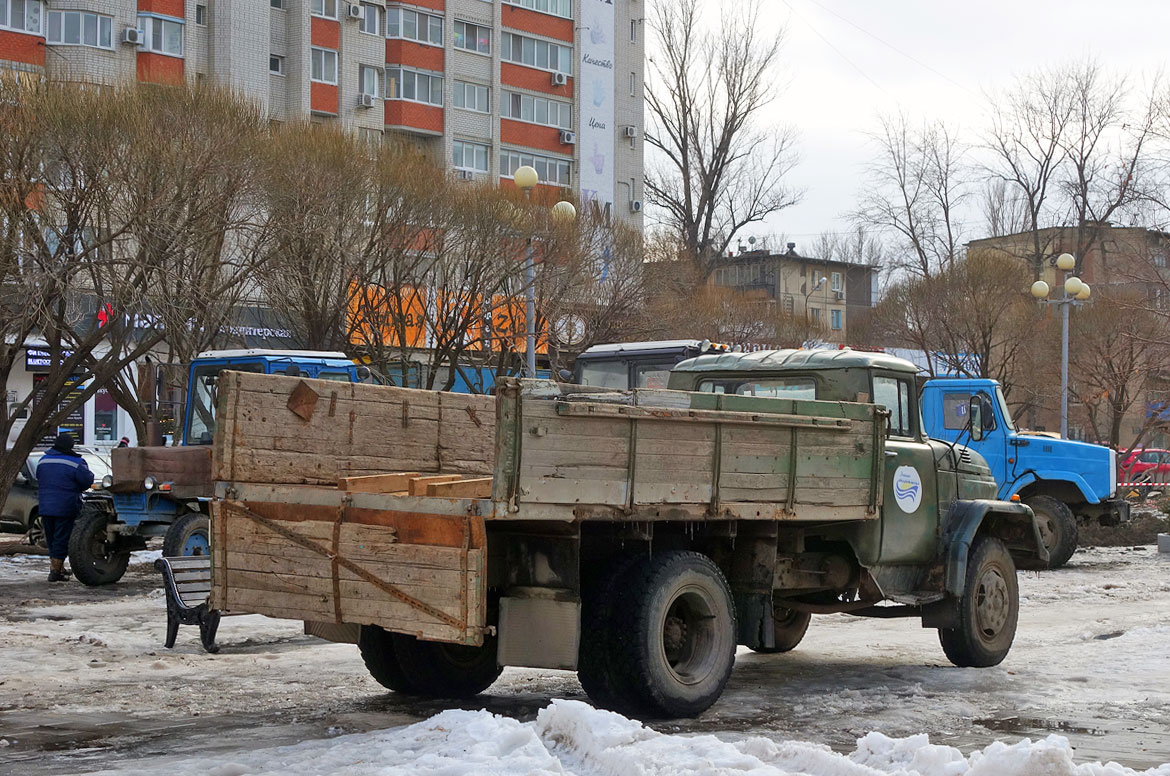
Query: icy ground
{"x": 85, "y": 685}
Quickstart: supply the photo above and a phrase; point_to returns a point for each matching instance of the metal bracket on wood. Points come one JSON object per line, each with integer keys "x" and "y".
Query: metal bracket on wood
{"x": 303, "y": 401}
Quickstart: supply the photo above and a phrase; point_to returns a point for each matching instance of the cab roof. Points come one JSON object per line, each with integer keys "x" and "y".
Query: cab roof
{"x": 640, "y": 347}
{"x": 793, "y": 360}
{"x": 302, "y": 355}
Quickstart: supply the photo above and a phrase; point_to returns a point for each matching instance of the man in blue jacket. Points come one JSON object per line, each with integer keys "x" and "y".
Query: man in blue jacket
{"x": 62, "y": 476}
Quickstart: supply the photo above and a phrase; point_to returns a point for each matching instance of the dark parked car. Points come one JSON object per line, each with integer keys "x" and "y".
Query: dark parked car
{"x": 19, "y": 514}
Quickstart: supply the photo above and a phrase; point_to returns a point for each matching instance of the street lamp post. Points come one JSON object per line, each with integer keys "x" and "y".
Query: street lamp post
{"x": 1075, "y": 292}
{"x": 820, "y": 282}
{"x": 526, "y": 178}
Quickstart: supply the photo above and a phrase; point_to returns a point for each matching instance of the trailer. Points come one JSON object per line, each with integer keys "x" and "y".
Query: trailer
{"x": 636, "y": 537}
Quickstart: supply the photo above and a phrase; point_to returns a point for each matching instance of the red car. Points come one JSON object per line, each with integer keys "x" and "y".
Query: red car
{"x": 1146, "y": 465}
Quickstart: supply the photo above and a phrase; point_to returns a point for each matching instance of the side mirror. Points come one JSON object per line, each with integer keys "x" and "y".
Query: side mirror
{"x": 975, "y": 413}
{"x": 565, "y": 375}
{"x": 363, "y": 373}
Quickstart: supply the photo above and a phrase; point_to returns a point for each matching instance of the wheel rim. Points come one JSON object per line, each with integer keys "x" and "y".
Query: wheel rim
{"x": 100, "y": 550}
{"x": 36, "y": 532}
{"x": 689, "y": 636}
{"x": 197, "y": 544}
{"x": 992, "y": 603}
{"x": 785, "y": 618}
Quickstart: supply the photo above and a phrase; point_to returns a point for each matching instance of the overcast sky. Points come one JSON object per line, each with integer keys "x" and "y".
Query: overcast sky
{"x": 849, "y": 60}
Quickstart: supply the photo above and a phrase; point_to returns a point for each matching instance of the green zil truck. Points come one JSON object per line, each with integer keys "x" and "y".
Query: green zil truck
{"x": 635, "y": 536}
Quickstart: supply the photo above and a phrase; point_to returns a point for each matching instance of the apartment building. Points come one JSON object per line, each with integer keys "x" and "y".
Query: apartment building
{"x": 483, "y": 86}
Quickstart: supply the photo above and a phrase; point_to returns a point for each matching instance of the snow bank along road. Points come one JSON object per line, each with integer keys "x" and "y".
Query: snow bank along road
{"x": 86, "y": 685}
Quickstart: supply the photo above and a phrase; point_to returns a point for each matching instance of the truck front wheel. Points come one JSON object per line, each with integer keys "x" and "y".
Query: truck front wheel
{"x": 788, "y": 629}
{"x": 189, "y": 534}
{"x": 94, "y": 559}
{"x": 1058, "y": 528}
{"x": 988, "y": 609}
{"x": 673, "y": 640}
{"x": 440, "y": 670}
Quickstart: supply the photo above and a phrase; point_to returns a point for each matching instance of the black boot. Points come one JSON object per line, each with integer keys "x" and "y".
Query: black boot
{"x": 57, "y": 572}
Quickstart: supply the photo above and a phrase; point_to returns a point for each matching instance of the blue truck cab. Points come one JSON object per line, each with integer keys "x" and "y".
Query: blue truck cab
{"x": 165, "y": 491}
{"x": 1065, "y": 482}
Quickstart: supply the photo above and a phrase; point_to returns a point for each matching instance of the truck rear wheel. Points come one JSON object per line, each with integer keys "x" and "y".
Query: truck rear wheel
{"x": 988, "y": 609}
{"x": 599, "y": 596}
{"x": 440, "y": 670}
{"x": 1058, "y": 528}
{"x": 94, "y": 560}
{"x": 377, "y": 648}
{"x": 189, "y": 534}
{"x": 673, "y": 638}
{"x": 788, "y": 629}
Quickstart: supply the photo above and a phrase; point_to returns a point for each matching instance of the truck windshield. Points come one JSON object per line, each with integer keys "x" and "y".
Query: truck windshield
{"x": 778, "y": 388}
{"x": 201, "y": 408}
{"x": 606, "y": 374}
{"x": 1003, "y": 409}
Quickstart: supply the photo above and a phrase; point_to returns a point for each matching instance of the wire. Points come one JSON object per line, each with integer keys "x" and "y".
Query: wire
{"x": 840, "y": 53}
{"x": 894, "y": 48}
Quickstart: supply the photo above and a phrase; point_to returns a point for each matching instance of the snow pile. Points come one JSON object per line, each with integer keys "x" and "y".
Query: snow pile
{"x": 570, "y": 738}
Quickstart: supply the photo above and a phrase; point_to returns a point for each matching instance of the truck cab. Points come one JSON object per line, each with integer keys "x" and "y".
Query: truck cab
{"x": 1064, "y": 481}
{"x": 164, "y": 491}
{"x": 625, "y": 365}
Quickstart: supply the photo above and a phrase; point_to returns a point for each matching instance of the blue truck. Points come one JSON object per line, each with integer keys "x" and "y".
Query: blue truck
{"x": 1065, "y": 482}
{"x": 165, "y": 491}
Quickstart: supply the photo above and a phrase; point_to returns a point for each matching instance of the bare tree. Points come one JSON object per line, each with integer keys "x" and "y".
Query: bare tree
{"x": 717, "y": 168}
{"x": 915, "y": 190}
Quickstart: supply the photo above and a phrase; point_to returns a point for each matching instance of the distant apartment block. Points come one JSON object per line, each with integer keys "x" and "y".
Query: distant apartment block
{"x": 483, "y": 86}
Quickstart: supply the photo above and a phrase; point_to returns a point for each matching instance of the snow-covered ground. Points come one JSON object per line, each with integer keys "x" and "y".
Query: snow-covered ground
{"x": 85, "y": 684}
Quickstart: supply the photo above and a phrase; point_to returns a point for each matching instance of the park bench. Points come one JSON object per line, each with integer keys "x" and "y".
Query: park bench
{"x": 187, "y": 581}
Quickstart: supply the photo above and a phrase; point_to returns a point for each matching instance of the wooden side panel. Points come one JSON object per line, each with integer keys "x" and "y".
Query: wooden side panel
{"x": 353, "y": 430}
{"x": 435, "y": 563}
{"x": 189, "y": 468}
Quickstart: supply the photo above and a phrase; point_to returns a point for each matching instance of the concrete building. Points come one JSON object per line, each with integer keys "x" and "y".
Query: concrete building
{"x": 484, "y": 86}
{"x": 830, "y": 293}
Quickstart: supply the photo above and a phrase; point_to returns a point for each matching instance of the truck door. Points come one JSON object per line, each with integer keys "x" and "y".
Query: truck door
{"x": 910, "y": 511}
{"x": 993, "y": 446}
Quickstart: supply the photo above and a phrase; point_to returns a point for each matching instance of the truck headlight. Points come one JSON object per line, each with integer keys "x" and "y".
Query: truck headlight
{"x": 108, "y": 481}
{"x": 150, "y": 483}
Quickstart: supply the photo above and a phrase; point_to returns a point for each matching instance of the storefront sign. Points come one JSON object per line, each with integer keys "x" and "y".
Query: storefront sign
{"x": 41, "y": 358}
{"x": 75, "y": 421}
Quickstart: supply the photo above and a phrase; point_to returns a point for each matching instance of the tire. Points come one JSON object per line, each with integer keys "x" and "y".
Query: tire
{"x": 1058, "y": 528}
{"x": 439, "y": 670}
{"x": 36, "y": 531}
{"x": 94, "y": 560}
{"x": 377, "y": 648}
{"x": 599, "y": 596}
{"x": 788, "y": 629}
{"x": 988, "y": 610}
{"x": 189, "y": 534}
{"x": 673, "y": 638}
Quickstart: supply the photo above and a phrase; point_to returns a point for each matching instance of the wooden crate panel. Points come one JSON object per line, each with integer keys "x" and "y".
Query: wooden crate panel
{"x": 433, "y": 565}
{"x": 351, "y": 430}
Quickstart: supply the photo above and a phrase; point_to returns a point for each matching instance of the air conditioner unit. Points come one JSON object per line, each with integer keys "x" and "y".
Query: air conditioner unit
{"x": 840, "y": 294}
{"x": 630, "y": 131}
{"x": 465, "y": 175}
{"x": 365, "y": 100}
{"x": 559, "y": 79}
{"x": 567, "y": 137}
{"x": 356, "y": 11}
{"x": 636, "y": 205}
{"x": 132, "y": 36}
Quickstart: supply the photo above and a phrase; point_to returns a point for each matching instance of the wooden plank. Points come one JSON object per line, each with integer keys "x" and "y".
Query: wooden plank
{"x": 574, "y": 409}
{"x": 480, "y": 487}
{"x": 418, "y": 485}
{"x": 377, "y": 483}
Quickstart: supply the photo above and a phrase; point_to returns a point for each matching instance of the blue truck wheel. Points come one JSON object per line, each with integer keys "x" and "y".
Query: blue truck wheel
{"x": 190, "y": 534}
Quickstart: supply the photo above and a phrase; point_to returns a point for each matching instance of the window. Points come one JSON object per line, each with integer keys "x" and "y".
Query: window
{"x": 275, "y": 64}
{"x": 536, "y": 53}
{"x": 539, "y": 110}
{"x": 816, "y": 314}
{"x": 472, "y": 97}
{"x": 77, "y": 28}
{"x": 473, "y": 37}
{"x": 470, "y": 156}
{"x": 201, "y": 15}
{"x": 21, "y": 15}
{"x": 652, "y": 375}
{"x": 956, "y": 407}
{"x": 835, "y": 282}
{"x": 777, "y": 388}
{"x": 163, "y": 36}
{"x": 633, "y": 30}
{"x": 633, "y": 84}
{"x": 555, "y": 7}
{"x": 1160, "y": 259}
{"x": 368, "y": 80}
{"x": 371, "y": 23}
{"x": 276, "y": 3}
{"x": 549, "y": 169}
{"x": 605, "y": 374}
{"x": 324, "y": 66}
{"x": 835, "y": 319}
{"x": 412, "y": 25}
{"x": 403, "y": 84}
{"x": 894, "y": 395}
{"x": 324, "y": 8}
